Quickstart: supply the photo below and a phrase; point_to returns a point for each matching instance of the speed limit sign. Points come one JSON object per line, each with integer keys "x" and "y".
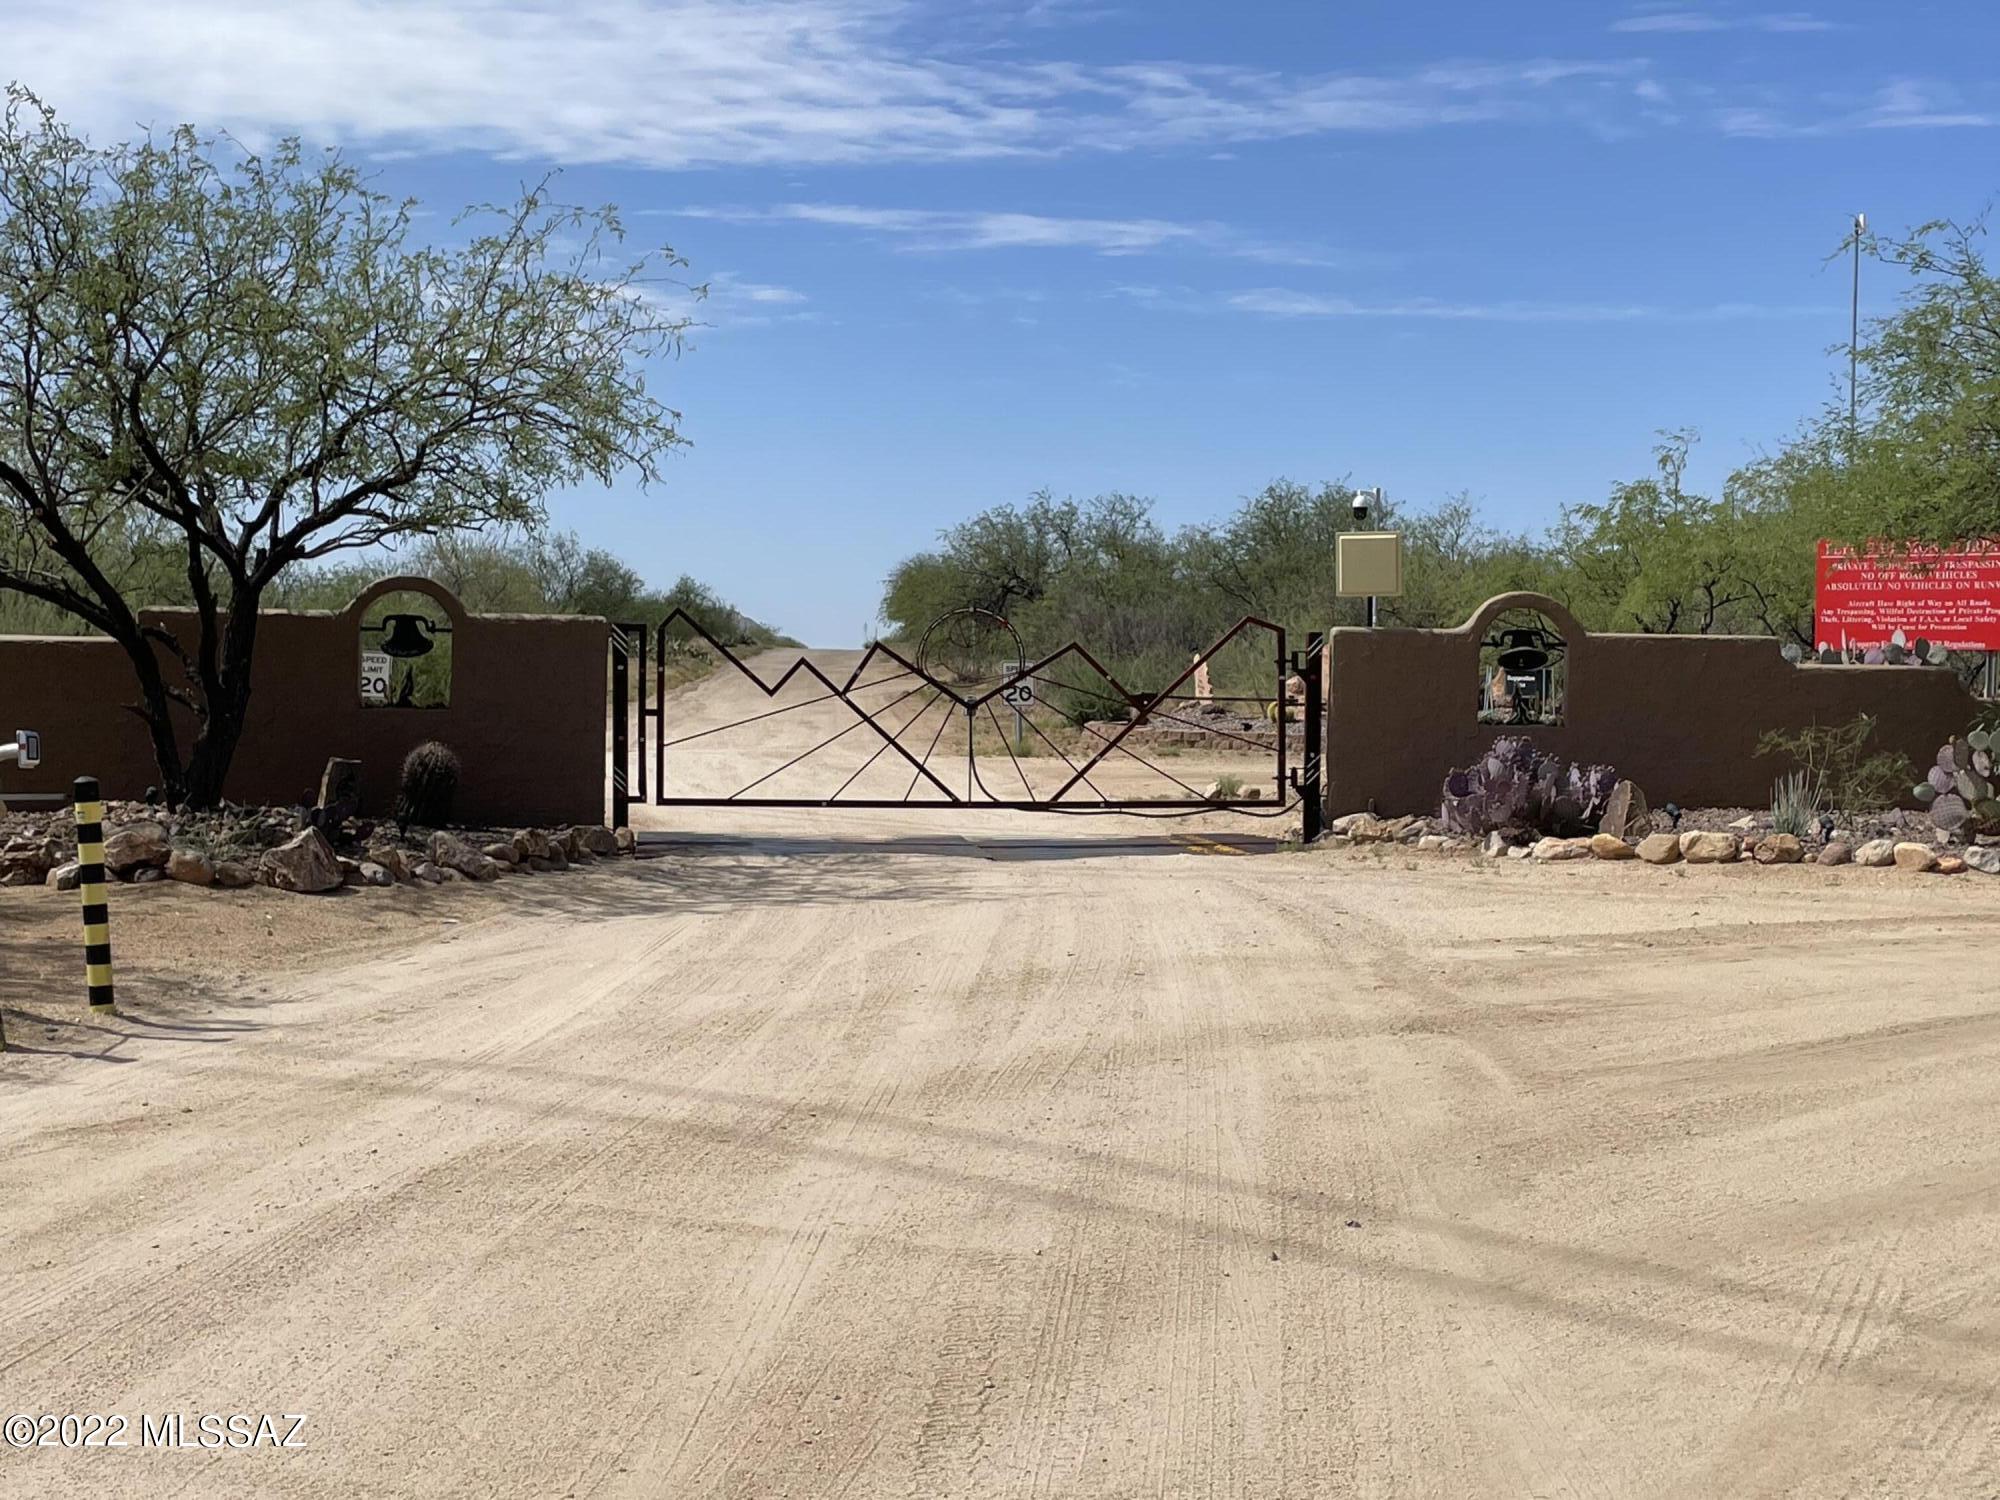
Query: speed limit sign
{"x": 375, "y": 667}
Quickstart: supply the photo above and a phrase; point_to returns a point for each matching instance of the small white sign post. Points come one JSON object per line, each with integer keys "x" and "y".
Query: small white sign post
{"x": 375, "y": 669}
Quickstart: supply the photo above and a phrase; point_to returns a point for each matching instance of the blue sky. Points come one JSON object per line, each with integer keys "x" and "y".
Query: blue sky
{"x": 960, "y": 251}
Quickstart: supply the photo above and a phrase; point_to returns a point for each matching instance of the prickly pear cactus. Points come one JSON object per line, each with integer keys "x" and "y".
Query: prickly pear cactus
{"x": 1959, "y": 790}
{"x": 1515, "y": 789}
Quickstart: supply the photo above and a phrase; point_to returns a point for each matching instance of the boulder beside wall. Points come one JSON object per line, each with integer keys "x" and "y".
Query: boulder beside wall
{"x": 449, "y": 852}
{"x": 1910, "y": 856}
{"x": 138, "y": 846}
{"x": 1778, "y": 849}
{"x": 304, "y": 863}
{"x": 1710, "y": 848}
{"x": 1660, "y": 849}
{"x": 1625, "y": 814}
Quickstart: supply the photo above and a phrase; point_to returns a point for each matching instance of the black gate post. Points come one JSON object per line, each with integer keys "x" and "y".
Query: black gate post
{"x": 621, "y": 705}
{"x": 1309, "y": 664}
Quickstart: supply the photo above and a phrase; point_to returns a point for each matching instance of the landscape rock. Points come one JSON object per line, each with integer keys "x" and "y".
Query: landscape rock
{"x": 1745, "y": 823}
{"x": 1519, "y": 851}
{"x": 1836, "y": 853}
{"x": 138, "y": 846}
{"x": 27, "y": 861}
{"x": 626, "y": 840}
{"x": 506, "y": 854}
{"x": 1984, "y": 859}
{"x": 450, "y": 852}
{"x": 427, "y": 872}
{"x": 531, "y": 843}
{"x": 1625, "y": 812}
{"x": 392, "y": 859}
{"x": 1611, "y": 846}
{"x": 233, "y": 875}
{"x": 594, "y": 840}
{"x": 304, "y": 864}
{"x": 539, "y": 865}
{"x": 1553, "y": 848}
{"x": 1909, "y": 856}
{"x": 1950, "y": 864}
{"x": 147, "y": 874}
{"x": 1344, "y": 824}
{"x": 558, "y": 858}
{"x": 1660, "y": 849}
{"x": 1366, "y": 828}
{"x": 1778, "y": 849}
{"x": 1710, "y": 848}
{"x": 64, "y": 876}
{"x": 350, "y": 870}
{"x": 1876, "y": 853}
{"x": 1434, "y": 843}
{"x": 1495, "y": 846}
{"x": 374, "y": 874}
{"x": 190, "y": 867}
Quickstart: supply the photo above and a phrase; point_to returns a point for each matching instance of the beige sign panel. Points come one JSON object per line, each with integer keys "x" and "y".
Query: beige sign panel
{"x": 1368, "y": 562}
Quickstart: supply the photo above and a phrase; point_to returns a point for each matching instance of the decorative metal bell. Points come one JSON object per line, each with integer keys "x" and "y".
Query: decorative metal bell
{"x": 1523, "y": 651}
{"x": 408, "y": 635}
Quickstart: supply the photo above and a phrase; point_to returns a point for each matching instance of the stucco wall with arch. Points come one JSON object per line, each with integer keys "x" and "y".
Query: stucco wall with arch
{"x": 528, "y": 711}
{"x": 1679, "y": 714}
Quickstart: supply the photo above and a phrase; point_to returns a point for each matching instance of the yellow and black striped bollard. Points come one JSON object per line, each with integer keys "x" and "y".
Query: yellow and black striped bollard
{"x": 90, "y": 882}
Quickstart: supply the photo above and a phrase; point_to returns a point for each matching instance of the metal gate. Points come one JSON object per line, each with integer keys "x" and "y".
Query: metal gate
{"x": 963, "y": 720}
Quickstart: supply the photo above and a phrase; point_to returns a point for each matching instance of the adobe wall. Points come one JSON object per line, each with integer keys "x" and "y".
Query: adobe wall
{"x": 1679, "y": 714}
{"x": 528, "y": 713}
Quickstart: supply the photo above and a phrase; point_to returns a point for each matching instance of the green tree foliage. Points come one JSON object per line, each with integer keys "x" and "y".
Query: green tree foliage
{"x": 1654, "y": 558}
{"x": 248, "y": 362}
{"x": 1922, "y": 463}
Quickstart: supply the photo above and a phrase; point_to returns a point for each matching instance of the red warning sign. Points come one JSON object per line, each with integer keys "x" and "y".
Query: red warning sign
{"x": 1949, "y": 597}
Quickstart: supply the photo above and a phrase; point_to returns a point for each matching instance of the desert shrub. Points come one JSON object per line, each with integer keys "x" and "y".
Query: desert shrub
{"x": 428, "y": 788}
{"x": 1837, "y": 761}
{"x": 1515, "y": 790}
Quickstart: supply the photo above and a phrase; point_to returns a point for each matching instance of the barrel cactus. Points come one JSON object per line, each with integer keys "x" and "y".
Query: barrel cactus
{"x": 429, "y": 786}
{"x": 1959, "y": 790}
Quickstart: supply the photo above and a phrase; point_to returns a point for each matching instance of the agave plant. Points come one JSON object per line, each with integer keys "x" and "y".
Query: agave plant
{"x": 1795, "y": 803}
{"x": 1515, "y": 789}
{"x": 1959, "y": 790}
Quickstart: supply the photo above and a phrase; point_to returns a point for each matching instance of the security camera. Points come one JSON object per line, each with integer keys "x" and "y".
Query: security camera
{"x": 25, "y": 751}
{"x": 1359, "y": 502}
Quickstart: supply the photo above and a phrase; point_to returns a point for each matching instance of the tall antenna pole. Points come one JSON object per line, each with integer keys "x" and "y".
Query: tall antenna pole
{"x": 1854, "y": 335}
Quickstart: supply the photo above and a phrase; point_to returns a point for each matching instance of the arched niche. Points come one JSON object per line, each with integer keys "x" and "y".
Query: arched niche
{"x": 404, "y": 629}
{"x": 1525, "y": 648}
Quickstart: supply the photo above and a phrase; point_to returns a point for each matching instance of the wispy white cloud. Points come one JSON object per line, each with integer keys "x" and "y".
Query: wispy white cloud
{"x": 918, "y": 229}
{"x": 1916, "y": 103}
{"x": 1280, "y": 303}
{"x": 1689, "y": 22}
{"x": 677, "y": 83}
{"x": 727, "y": 300}
{"x": 1901, "y": 104}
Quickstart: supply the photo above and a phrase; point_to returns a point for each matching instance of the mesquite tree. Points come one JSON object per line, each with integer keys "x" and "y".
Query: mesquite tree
{"x": 240, "y": 363}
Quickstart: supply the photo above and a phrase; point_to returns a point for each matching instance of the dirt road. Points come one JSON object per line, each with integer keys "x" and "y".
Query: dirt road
{"x": 959, "y": 1167}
